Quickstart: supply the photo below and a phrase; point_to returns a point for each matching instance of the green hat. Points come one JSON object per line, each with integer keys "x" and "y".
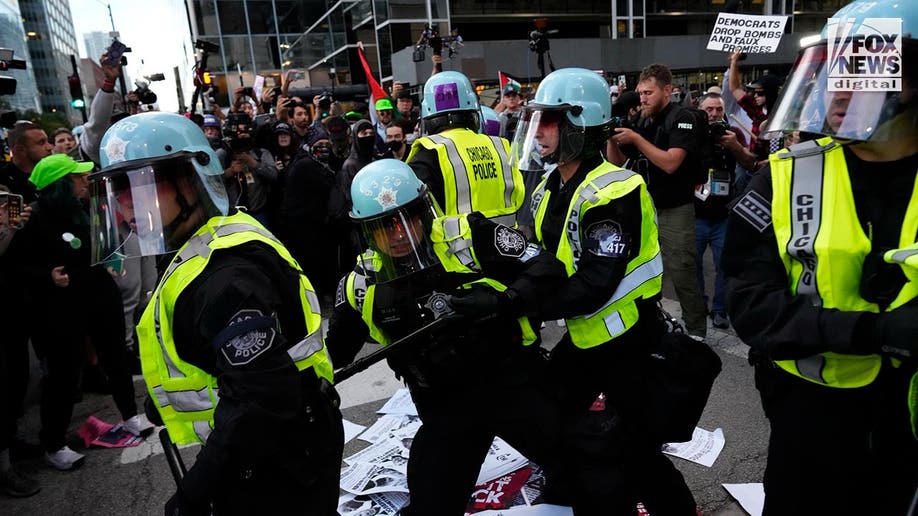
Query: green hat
{"x": 382, "y": 104}
{"x": 56, "y": 166}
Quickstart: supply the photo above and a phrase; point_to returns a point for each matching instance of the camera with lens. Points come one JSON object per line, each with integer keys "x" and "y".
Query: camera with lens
{"x": 237, "y": 133}
{"x": 719, "y": 129}
{"x": 325, "y": 101}
{"x": 143, "y": 92}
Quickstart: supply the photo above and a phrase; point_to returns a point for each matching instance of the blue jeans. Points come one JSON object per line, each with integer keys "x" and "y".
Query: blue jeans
{"x": 710, "y": 232}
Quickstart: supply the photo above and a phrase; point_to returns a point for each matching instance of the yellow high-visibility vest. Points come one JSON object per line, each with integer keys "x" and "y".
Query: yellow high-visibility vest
{"x": 823, "y": 247}
{"x": 185, "y": 395}
{"x": 643, "y": 274}
{"x": 477, "y": 174}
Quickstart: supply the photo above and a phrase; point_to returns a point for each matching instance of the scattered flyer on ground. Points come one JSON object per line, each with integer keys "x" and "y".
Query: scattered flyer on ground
{"x": 382, "y": 504}
{"x": 399, "y": 403}
{"x": 361, "y": 478}
{"x": 750, "y": 33}
{"x": 351, "y": 430}
{"x": 389, "y": 453}
{"x": 544, "y": 509}
{"x": 750, "y": 496}
{"x": 501, "y": 493}
{"x": 704, "y": 448}
{"x": 96, "y": 432}
{"x": 501, "y": 460}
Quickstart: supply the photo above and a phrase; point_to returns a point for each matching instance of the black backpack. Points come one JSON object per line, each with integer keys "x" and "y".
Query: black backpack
{"x": 702, "y": 154}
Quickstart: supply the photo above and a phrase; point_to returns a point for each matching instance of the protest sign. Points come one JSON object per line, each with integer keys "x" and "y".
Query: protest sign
{"x": 865, "y": 57}
{"x": 747, "y": 33}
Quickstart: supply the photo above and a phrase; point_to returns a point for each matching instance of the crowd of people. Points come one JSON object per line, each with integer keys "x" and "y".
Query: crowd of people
{"x": 390, "y": 217}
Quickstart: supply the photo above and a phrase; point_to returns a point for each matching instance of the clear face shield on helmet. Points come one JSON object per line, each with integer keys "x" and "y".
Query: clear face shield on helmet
{"x": 147, "y": 209}
{"x": 545, "y": 136}
{"x": 806, "y": 104}
{"x": 401, "y": 240}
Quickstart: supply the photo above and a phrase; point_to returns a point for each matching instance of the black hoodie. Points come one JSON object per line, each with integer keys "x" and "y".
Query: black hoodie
{"x": 358, "y": 158}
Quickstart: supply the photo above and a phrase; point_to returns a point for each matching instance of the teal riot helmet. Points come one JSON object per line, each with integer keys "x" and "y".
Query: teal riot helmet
{"x": 159, "y": 183}
{"x": 827, "y": 94}
{"x": 395, "y": 213}
{"x": 449, "y": 101}
{"x": 490, "y": 122}
{"x": 569, "y": 119}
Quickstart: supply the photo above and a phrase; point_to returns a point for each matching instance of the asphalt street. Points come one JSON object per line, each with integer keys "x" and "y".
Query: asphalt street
{"x": 137, "y": 480}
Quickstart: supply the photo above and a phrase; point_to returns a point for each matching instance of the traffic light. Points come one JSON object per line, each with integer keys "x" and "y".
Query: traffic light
{"x": 76, "y": 92}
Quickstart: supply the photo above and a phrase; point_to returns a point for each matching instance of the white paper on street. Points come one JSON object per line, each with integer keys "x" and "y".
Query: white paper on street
{"x": 362, "y": 478}
{"x": 381, "y": 504}
{"x": 351, "y": 430}
{"x": 704, "y": 448}
{"x": 750, "y": 496}
{"x": 389, "y": 453}
{"x": 385, "y": 426}
{"x": 501, "y": 460}
{"x": 399, "y": 403}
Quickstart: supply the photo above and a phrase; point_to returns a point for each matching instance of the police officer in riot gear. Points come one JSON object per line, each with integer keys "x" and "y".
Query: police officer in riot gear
{"x": 465, "y": 171}
{"x": 820, "y": 259}
{"x": 233, "y": 320}
{"x": 416, "y": 256}
{"x": 600, "y": 222}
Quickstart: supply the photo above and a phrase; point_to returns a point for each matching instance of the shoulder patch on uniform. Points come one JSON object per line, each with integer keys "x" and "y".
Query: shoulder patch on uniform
{"x": 509, "y": 242}
{"x": 754, "y": 209}
{"x": 247, "y": 346}
{"x": 605, "y": 238}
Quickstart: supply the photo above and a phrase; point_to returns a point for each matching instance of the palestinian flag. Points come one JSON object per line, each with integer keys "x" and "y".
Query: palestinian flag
{"x": 508, "y": 80}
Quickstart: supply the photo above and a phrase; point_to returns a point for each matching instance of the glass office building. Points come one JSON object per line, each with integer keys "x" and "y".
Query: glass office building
{"x": 12, "y": 37}
{"x": 49, "y": 28}
{"x": 267, "y": 37}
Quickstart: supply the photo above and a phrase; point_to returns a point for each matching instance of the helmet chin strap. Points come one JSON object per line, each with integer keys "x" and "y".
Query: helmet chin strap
{"x": 186, "y": 210}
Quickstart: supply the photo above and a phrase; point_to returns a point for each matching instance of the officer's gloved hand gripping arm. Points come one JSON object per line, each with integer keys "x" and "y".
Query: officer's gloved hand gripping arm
{"x": 775, "y": 324}
{"x": 258, "y": 420}
{"x": 503, "y": 254}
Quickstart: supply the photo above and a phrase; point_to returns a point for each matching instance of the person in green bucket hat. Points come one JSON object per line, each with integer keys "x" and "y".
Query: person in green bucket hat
{"x": 53, "y": 253}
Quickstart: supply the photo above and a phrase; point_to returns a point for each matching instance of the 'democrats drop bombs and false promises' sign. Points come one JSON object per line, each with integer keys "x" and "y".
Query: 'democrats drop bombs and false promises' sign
{"x": 865, "y": 57}
{"x": 747, "y": 33}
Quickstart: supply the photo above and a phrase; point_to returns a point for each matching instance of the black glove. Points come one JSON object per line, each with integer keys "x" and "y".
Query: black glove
{"x": 178, "y": 505}
{"x": 896, "y": 332}
{"x": 481, "y": 302}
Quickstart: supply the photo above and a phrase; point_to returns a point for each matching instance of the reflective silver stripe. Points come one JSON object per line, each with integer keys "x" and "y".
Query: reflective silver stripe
{"x": 188, "y": 401}
{"x": 202, "y": 429}
{"x": 811, "y": 367}
{"x": 196, "y": 246}
{"x": 162, "y": 398}
{"x": 614, "y": 323}
{"x": 634, "y": 279}
{"x": 313, "y": 301}
{"x": 366, "y": 261}
{"x": 460, "y": 174}
{"x": 589, "y": 191}
{"x": 905, "y": 254}
{"x": 360, "y": 284}
{"x": 806, "y": 217}
{"x": 307, "y": 347}
{"x": 507, "y": 170}
{"x": 458, "y": 247}
{"x": 241, "y": 227}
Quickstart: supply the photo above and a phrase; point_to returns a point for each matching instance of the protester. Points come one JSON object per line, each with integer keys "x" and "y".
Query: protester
{"x": 63, "y": 141}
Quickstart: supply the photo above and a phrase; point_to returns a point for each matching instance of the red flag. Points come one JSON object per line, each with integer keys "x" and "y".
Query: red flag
{"x": 377, "y": 92}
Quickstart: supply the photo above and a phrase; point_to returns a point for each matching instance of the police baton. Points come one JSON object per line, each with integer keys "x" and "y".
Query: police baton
{"x": 438, "y": 304}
